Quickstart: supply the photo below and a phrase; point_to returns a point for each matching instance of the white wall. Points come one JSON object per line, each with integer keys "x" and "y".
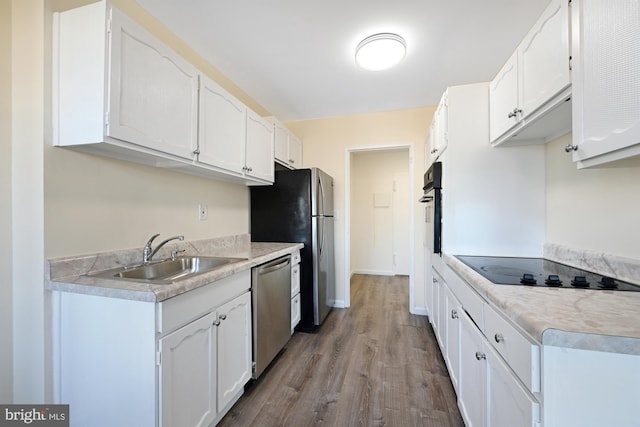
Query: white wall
{"x": 372, "y": 230}
{"x": 27, "y": 135}
{"x": 6, "y": 258}
{"x": 593, "y": 209}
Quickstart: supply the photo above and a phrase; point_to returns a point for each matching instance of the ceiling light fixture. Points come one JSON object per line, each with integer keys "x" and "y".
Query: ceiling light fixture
{"x": 380, "y": 51}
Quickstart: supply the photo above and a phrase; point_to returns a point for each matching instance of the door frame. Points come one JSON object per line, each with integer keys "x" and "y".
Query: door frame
{"x": 347, "y": 217}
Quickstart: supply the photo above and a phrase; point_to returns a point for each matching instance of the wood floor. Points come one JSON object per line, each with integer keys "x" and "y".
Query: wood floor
{"x": 373, "y": 364}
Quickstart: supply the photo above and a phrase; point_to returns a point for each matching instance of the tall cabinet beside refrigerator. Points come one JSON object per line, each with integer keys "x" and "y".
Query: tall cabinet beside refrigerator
{"x": 298, "y": 207}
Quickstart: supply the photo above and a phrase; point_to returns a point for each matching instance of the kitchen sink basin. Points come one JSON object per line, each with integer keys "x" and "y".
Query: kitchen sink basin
{"x": 168, "y": 271}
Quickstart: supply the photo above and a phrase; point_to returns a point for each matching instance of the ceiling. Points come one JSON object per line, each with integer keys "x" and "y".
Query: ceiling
{"x": 296, "y": 57}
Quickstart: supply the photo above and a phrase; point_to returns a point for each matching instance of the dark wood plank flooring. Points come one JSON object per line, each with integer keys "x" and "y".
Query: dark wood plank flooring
{"x": 373, "y": 364}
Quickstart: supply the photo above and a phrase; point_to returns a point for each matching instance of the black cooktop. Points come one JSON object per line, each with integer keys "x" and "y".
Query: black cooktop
{"x": 541, "y": 273}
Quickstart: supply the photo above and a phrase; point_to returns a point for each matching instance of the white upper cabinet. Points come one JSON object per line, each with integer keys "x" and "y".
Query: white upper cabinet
{"x": 288, "y": 148}
{"x": 223, "y": 121}
{"x": 120, "y": 92}
{"x": 606, "y": 88}
{"x": 503, "y": 92}
{"x": 529, "y": 95}
{"x": 259, "y": 148}
{"x": 439, "y": 130}
{"x": 116, "y": 86}
{"x": 153, "y": 92}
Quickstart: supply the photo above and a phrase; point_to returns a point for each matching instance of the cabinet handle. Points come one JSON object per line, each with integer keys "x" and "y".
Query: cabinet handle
{"x": 291, "y": 161}
{"x": 480, "y": 356}
{"x": 196, "y": 151}
{"x": 454, "y": 314}
{"x": 216, "y": 323}
{"x": 570, "y": 147}
{"x": 514, "y": 113}
{"x": 498, "y": 337}
{"x": 222, "y": 316}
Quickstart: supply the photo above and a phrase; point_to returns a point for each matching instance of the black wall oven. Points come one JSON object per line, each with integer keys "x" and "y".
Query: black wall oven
{"x": 432, "y": 198}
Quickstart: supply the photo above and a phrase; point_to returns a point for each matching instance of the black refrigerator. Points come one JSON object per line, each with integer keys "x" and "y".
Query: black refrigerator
{"x": 298, "y": 207}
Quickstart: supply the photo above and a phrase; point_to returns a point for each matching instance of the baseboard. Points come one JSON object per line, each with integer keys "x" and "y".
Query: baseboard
{"x": 420, "y": 311}
{"x": 373, "y": 272}
{"x": 339, "y": 303}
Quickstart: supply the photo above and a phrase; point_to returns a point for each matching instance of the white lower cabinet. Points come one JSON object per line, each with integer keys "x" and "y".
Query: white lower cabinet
{"x": 180, "y": 362}
{"x": 188, "y": 369}
{"x": 494, "y": 367}
{"x": 471, "y": 393}
{"x": 452, "y": 354}
{"x": 234, "y": 348}
{"x": 508, "y": 403}
{"x": 489, "y": 394}
{"x": 205, "y": 364}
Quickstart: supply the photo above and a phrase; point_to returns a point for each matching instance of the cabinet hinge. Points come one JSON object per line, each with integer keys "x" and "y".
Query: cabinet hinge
{"x": 570, "y": 62}
{"x": 108, "y": 26}
{"x": 158, "y": 358}
{"x": 106, "y": 120}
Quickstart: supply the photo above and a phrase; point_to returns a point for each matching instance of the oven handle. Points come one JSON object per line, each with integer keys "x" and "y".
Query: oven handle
{"x": 426, "y": 199}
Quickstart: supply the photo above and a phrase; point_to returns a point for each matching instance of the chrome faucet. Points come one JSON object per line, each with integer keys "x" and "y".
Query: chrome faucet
{"x": 148, "y": 252}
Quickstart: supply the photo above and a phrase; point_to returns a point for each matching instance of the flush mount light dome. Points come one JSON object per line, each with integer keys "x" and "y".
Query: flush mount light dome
{"x": 380, "y": 51}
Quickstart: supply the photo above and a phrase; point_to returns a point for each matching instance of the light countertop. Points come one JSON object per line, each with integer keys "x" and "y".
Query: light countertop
{"x": 575, "y": 318}
{"x": 69, "y": 274}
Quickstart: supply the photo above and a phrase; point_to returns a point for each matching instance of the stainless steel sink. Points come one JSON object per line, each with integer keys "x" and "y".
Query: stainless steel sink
{"x": 169, "y": 271}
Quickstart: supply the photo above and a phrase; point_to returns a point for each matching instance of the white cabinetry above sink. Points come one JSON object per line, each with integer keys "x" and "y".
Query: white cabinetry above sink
{"x": 120, "y": 92}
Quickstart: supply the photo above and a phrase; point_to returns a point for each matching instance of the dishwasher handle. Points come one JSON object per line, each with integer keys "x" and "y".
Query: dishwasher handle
{"x": 274, "y": 265}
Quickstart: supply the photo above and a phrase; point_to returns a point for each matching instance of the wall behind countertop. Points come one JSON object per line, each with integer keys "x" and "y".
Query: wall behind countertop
{"x": 592, "y": 209}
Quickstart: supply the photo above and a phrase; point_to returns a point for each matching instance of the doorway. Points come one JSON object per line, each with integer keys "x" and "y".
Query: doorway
{"x": 378, "y": 213}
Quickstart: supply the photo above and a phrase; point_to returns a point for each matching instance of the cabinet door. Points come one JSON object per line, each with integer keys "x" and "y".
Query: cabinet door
{"x": 442, "y": 315}
{"x": 234, "y": 348}
{"x": 188, "y": 374}
{"x": 153, "y": 92}
{"x": 606, "y": 93}
{"x": 503, "y": 99}
{"x": 295, "y": 312}
{"x": 259, "y": 149}
{"x": 452, "y": 355}
{"x": 295, "y": 279}
{"x": 295, "y": 152}
{"x": 508, "y": 403}
{"x": 222, "y": 128}
{"x": 544, "y": 58}
{"x": 472, "y": 384}
{"x": 281, "y": 149}
{"x": 442, "y": 137}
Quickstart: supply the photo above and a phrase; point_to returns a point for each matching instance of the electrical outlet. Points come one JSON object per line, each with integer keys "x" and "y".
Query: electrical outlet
{"x": 202, "y": 212}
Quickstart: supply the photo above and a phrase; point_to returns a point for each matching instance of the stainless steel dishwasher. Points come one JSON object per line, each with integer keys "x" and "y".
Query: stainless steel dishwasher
{"x": 271, "y": 305}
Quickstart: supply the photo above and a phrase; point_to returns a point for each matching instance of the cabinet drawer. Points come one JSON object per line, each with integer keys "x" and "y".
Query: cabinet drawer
{"x": 295, "y": 258}
{"x": 519, "y": 351}
{"x": 295, "y": 279}
{"x": 184, "y": 308}
{"x": 471, "y": 302}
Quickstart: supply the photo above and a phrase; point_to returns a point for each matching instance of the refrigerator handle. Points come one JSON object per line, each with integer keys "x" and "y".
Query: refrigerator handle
{"x": 320, "y": 198}
{"x": 321, "y": 213}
